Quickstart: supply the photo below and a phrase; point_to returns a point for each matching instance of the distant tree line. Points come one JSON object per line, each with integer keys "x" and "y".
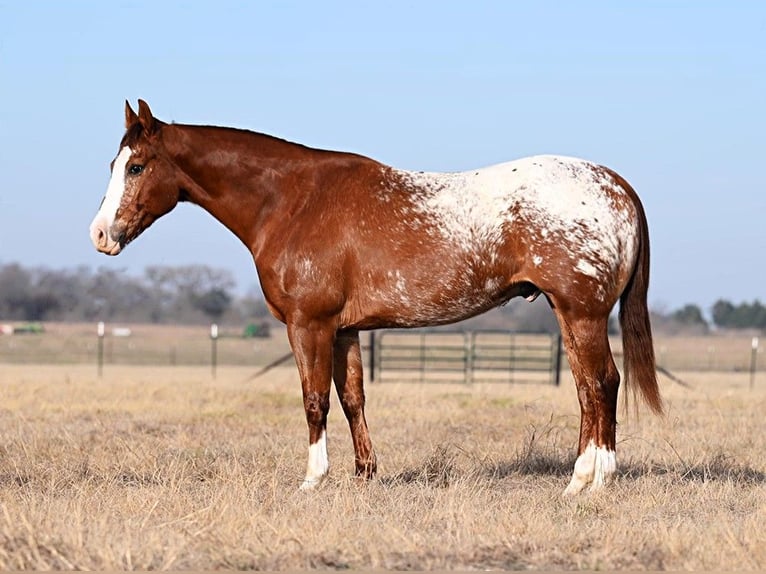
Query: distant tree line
{"x": 198, "y": 293}
{"x": 186, "y": 294}
{"x": 688, "y": 319}
{"x": 742, "y": 316}
{"x": 723, "y": 314}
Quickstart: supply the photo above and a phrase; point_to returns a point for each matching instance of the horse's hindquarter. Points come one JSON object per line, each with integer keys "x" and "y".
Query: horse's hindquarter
{"x": 443, "y": 247}
{"x": 580, "y": 228}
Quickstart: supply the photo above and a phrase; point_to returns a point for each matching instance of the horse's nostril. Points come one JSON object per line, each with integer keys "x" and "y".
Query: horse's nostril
{"x": 102, "y": 236}
{"x": 99, "y": 234}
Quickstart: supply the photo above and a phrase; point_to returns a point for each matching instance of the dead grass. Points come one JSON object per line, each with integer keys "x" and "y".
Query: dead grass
{"x": 163, "y": 468}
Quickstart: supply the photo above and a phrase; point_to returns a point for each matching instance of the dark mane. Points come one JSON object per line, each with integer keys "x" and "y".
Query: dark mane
{"x": 246, "y": 137}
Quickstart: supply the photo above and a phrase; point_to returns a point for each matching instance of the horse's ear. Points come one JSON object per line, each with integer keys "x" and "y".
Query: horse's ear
{"x": 146, "y": 118}
{"x": 130, "y": 115}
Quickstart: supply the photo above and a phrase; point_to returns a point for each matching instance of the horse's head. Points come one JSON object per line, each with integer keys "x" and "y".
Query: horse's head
{"x": 144, "y": 186}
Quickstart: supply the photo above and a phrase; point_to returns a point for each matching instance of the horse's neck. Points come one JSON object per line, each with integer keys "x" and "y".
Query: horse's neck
{"x": 236, "y": 176}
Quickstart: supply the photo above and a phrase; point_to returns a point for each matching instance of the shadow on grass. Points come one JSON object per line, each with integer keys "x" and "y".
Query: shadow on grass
{"x": 537, "y": 458}
{"x": 439, "y": 469}
{"x": 535, "y": 464}
{"x": 719, "y": 467}
{"x": 542, "y": 455}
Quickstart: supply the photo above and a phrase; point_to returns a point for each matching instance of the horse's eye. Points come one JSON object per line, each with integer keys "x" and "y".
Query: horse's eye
{"x": 135, "y": 169}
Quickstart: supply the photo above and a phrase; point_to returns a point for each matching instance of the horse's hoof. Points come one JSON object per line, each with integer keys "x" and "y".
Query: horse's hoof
{"x": 311, "y": 483}
{"x": 366, "y": 472}
{"x": 574, "y": 488}
{"x": 596, "y": 467}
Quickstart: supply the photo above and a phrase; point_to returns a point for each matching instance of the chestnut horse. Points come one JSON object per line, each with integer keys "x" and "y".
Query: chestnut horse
{"x": 343, "y": 243}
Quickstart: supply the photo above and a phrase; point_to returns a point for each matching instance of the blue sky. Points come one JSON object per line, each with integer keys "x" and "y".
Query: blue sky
{"x": 670, "y": 94}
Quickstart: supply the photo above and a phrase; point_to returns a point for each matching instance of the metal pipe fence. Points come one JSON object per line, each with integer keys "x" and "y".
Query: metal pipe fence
{"x": 481, "y": 355}
{"x": 465, "y": 357}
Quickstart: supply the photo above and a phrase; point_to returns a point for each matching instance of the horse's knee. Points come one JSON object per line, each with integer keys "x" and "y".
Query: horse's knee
{"x": 316, "y": 406}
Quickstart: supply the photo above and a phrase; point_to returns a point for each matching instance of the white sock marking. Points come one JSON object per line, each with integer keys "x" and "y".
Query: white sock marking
{"x": 318, "y": 463}
{"x": 595, "y": 466}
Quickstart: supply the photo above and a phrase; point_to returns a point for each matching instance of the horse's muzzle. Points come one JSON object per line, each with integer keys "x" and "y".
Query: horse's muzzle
{"x": 103, "y": 237}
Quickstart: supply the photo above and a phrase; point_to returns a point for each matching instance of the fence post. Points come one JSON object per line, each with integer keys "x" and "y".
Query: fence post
{"x": 422, "y": 356}
{"x": 557, "y": 362}
{"x": 213, "y": 348}
{"x": 469, "y": 343}
{"x": 372, "y": 356}
{"x": 753, "y": 360}
{"x": 100, "y": 331}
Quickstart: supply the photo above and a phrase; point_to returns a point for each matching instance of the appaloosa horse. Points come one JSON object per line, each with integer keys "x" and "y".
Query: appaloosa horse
{"x": 343, "y": 243}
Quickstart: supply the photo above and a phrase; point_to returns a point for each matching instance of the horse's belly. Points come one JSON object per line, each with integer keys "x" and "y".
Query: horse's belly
{"x": 430, "y": 298}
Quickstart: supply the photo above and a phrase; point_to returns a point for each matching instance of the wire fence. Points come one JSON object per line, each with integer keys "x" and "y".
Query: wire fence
{"x": 195, "y": 345}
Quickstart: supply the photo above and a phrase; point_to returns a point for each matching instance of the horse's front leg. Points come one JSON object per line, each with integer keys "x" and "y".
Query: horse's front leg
{"x": 312, "y": 344}
{"x": 347, "y": 373}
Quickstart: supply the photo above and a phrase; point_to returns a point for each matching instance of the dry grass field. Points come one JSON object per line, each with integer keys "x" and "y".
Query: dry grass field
{"x": 165, "y": 468}
{"x": 73, "y": 343}
{"x": 170, "y": 345}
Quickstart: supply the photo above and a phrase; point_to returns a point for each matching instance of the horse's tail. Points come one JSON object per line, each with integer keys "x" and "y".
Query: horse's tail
{"x": 637, "y": 346}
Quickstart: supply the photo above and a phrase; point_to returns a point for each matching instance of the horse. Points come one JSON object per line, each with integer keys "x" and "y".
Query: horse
{"x": 343, "y": 243}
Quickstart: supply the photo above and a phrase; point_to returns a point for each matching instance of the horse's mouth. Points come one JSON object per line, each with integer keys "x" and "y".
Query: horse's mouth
{"x": 103, "y": 240}
{"x": 115, "y": 249}
{"x": 110, "y": 248}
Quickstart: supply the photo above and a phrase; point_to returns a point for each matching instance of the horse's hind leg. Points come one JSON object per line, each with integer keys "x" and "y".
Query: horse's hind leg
{"x": 347, "y": 372}
{"x": 597, "y": 380}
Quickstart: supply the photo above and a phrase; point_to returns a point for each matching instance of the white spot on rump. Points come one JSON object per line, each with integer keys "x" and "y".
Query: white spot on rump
{"x": 595, "y": 466}
{"x": 537, "y": 260}
{"x": 586, "y": 268}
{"x": 318, "y": 463}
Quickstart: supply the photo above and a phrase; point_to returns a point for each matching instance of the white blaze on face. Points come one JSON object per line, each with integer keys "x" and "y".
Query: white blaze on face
{"x": 115, "y": 190}
{"x": 116, "y": 187}
{"x": 318, "y": 463}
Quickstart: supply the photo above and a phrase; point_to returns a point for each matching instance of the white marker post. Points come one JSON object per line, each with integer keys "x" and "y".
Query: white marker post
{"x": 100, "y": 331}
{"x": 213, "y": 348}
{"x": 753, "y": 361}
